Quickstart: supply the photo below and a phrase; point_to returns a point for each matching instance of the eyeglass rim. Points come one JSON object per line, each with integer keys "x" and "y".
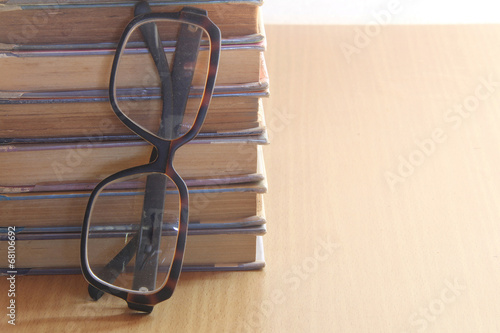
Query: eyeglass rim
{"x": 214, "y": 35}
{"x": 167, "y": 289}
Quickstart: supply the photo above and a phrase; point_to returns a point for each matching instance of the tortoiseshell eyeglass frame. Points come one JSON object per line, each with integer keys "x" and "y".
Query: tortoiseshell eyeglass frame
{"x": 165, "y": 149}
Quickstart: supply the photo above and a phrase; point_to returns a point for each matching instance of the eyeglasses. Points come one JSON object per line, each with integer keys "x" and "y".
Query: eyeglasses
{"x": 161, "y": 84}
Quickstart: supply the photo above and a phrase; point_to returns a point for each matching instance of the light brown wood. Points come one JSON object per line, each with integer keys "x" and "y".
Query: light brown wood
{"x": 345, "y": 251}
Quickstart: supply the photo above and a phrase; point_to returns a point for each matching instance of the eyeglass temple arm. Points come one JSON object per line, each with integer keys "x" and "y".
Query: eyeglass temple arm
{"x": 115, "y": 267}
{"x": 144, "y": 245}
{"x": 186, "y": 54}
{"x": 184, "y": 65}
{"x": 151, "y": 36}
{"x": 175, "y": 86}
{"x": 149, "y": 234}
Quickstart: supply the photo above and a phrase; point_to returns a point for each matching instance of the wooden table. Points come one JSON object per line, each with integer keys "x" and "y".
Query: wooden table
{"x": 384, "y": 197}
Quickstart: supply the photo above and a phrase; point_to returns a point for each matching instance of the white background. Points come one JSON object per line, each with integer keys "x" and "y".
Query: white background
{"x": 362, "y": 12}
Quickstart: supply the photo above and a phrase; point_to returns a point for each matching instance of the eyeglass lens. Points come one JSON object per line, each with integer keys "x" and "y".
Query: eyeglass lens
{"x": 160, "y": 76}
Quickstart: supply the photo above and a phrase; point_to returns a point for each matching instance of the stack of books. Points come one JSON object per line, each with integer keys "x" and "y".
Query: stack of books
{"x": 59, "y": 135}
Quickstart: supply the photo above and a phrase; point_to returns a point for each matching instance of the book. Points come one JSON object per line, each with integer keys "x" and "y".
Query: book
{"x": 87, "y": 113}
{"x": 90, "y": 69}
{"x": 24, "y": 167}
{"x": 207, "y": 249}
{"x": 214, "y": 206}
{"x": 52, "y": 22}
